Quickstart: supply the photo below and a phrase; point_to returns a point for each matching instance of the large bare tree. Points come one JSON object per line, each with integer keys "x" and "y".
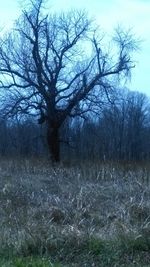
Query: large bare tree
{"x": 54, "y": 66}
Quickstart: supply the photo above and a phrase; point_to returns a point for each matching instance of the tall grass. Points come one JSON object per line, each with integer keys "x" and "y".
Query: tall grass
{"x": 87, "y": 214}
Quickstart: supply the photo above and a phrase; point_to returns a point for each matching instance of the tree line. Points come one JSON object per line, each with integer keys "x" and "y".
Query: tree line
{"x": 121, "y": 131}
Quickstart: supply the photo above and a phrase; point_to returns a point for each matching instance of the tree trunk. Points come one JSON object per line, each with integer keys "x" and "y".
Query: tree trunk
{"x": 53, "y": 143}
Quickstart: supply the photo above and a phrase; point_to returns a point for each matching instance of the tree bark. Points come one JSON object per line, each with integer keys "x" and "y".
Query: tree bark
{"x": 53, "y": 143}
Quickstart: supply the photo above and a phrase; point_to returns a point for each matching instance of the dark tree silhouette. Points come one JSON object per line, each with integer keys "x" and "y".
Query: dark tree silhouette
{"x": 53, "y": 66}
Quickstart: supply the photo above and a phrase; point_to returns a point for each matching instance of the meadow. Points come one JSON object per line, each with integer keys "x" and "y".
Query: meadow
{"x": 78, "y": 214}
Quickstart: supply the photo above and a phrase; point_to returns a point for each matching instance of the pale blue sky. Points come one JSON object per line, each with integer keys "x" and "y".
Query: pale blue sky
{"x": 133, "y": 14}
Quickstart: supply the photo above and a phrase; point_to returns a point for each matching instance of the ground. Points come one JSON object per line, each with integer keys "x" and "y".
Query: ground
{"x": 78, "y": 214}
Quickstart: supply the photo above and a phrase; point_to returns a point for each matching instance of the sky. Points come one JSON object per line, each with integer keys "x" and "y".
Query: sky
{"x": 133, "y": 14}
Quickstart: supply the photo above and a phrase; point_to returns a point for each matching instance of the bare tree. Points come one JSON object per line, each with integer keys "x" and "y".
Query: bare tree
{"x": 54, "y": 67}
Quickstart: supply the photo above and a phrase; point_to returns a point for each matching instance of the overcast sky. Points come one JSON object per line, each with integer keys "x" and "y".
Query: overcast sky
{"x": 133, "y": 14}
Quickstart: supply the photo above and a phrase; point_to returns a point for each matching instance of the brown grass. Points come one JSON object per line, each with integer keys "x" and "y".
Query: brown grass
{"x": 74, "y": 212}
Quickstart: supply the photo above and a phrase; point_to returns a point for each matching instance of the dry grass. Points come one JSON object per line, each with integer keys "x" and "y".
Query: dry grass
{"x": 89, "y": 214}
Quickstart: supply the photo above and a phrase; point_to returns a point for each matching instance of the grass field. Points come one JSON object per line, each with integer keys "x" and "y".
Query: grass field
{"x": 87, "y": 214}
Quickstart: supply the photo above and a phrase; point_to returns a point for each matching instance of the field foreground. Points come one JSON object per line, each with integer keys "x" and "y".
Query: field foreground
{"x": 89, "y": 214}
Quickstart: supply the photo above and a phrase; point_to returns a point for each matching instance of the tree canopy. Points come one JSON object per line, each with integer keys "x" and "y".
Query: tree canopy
{"x": 54, "y": 66}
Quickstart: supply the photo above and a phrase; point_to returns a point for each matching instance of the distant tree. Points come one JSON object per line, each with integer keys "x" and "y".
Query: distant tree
{"x": 54, "y": 67}
{"x": 137, "y": 108}
{"x": 123, "y": 126}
